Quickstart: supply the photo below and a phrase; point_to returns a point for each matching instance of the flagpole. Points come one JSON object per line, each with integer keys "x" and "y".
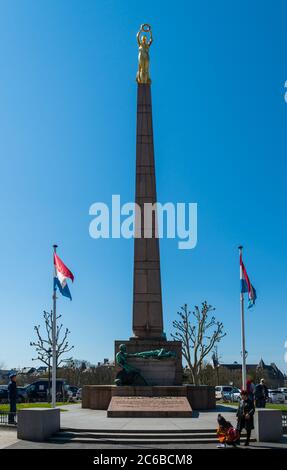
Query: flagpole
{"x": 54, "y": 341}
{"x": 242, "y": 330}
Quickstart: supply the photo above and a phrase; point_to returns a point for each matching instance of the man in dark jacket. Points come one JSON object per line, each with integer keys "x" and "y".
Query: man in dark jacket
{"x": 12, "y": 396}
{"x": 245, "y": 414}
{"x": 261, "y": 394}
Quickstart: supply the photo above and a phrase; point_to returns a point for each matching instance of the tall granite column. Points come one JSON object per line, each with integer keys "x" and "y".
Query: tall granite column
{"x": 147, "y": 298}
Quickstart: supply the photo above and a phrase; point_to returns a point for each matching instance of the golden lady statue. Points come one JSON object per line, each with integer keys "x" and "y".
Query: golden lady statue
{"x": 144, "y": 45}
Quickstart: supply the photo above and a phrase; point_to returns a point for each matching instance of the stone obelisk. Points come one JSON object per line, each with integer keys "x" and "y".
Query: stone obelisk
{"x": 147, "y": 297}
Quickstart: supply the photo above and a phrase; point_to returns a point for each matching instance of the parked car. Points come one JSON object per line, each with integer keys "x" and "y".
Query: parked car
{"x": 21, "y": 394}
{"x": 283, "y": 390}
{"x": 222, "y": 390}
{"x": 72, "y": 390}
{"x": 232, "y": 395}
{"x": 3, "y": 393}
{"x": 39, "y": 390}
{"x": 276, "y": 396}
{"x": 235, "y": 394}
{"x": 79, "y": 394}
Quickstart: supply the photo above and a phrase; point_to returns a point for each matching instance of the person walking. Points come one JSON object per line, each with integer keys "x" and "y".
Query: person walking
{"x": 12, "y": 397}
{"x": 261, "y": 394}
{"x": 244, "y": 415}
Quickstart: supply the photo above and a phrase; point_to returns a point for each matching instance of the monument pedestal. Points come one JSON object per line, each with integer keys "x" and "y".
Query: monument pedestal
{"x": 98, "y": 397}
{"x": 155, "y": 371}
{"x": 162, "y": 371}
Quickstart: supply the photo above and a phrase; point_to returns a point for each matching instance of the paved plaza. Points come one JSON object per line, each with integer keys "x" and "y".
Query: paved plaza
{"x": 83, "y": 419}
{"x": 79, "y": 418}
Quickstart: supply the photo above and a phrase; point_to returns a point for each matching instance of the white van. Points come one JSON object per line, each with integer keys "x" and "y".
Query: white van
{"x": 220, "y": 390}
{"x": 283, "y": 390}
{"x": 276, "y": 396}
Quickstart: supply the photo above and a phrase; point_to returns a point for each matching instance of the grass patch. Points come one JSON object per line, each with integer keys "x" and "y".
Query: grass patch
{"x": 21, "y": 406}
{"x": 273, "y": 406}
{"x": 270, "y": 406}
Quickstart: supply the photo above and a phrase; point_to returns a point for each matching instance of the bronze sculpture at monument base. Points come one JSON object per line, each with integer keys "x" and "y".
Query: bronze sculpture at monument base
{"x": 148, "y": 362}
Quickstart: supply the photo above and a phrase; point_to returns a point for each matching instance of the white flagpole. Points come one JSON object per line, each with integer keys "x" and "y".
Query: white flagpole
{"x": 54, "y": 345}
{"x": 242, "y": 331}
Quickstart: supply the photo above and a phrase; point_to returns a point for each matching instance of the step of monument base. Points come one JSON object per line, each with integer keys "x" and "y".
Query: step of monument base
{"x": 199, "y": 436}
{"x": 149, "y": 407}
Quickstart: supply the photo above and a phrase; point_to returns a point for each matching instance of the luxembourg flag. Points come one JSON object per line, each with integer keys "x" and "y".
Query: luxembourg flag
{"x": 246, "y": 285}
{"x": 60, "y": 277}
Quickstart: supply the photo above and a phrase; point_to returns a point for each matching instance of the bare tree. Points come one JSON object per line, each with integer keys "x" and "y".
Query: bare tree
{"x": 82, "y": 364}
{"x": 94, "y": 375}
{"x": 199, "y": 333}
{"x": 44, "y": 345}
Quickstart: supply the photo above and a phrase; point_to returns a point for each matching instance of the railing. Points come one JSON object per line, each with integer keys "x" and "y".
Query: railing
{"x": 8, "y": 418}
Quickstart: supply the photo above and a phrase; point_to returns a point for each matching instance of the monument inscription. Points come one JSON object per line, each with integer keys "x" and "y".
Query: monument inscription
{"x": 139, "y": 406}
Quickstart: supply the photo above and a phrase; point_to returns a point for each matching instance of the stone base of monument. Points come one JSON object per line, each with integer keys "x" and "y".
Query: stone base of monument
{"x": 156, "y": 371}
{"x": 163, "y": 395}
{"x": 98, "y": 397}
{"x": 149, "y": 407}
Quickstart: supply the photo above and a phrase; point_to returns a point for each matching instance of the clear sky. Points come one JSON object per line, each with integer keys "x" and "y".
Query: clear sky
{"x": 67, "y": 139}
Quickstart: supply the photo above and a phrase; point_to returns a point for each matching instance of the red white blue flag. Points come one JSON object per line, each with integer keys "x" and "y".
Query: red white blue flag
{"x": 246, "y": 285}
{"x": 62, "y": 273}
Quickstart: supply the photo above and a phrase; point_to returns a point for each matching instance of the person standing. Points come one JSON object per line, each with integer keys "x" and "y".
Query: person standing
{"x": 261, "y": 394}
{"x": 250, "y": 387}
{"x": 12, "y": 396}
{"x": 244, "y": 415}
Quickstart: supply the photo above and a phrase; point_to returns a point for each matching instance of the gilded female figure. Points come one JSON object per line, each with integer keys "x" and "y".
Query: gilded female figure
{"x": 144, "y": 45}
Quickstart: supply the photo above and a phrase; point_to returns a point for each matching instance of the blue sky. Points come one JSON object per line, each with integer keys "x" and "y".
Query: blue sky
{"x": 67, "y": 139}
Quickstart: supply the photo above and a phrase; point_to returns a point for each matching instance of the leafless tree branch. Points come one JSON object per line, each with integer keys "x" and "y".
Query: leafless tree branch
{"x": 43, "y": 345}
{"x": 199, "y": 333}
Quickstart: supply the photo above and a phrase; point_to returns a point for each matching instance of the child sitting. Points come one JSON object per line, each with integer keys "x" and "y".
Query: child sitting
{"x": 226, "y": 433}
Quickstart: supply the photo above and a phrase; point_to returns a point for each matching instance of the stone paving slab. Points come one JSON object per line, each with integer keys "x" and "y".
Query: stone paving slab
{"x": 81, "y": 418}
{"x": 7, "y": 438}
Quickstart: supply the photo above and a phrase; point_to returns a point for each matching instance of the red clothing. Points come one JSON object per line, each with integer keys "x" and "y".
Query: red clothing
{"x": 227, "y": 436}
{"x": 221, "y": 434}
